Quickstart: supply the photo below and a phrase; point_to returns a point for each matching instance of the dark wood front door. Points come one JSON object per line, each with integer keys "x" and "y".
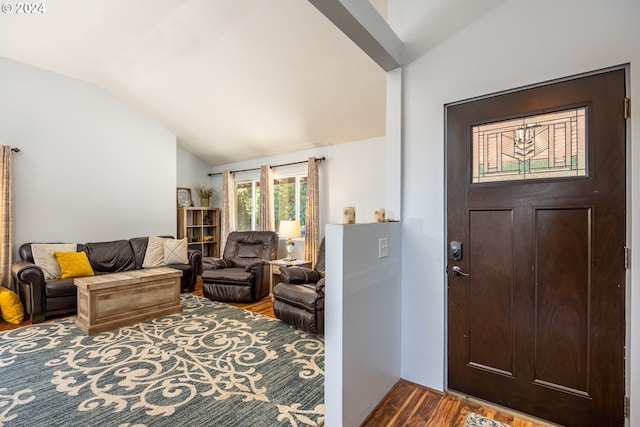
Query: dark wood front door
{"x": 536, "y": 197}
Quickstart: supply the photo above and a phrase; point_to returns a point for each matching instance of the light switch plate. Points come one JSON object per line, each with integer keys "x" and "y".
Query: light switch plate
{"x": 383, "y": 247}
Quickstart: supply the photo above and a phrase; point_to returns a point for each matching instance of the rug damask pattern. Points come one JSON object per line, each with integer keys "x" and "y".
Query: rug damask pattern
{"x": 211, "y": 365}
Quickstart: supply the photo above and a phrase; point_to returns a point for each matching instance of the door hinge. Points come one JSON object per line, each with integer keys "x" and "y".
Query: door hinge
{"x": 627, "y": 407}
{"x": 627, "y": 108}
{"x": 627, "y": 257}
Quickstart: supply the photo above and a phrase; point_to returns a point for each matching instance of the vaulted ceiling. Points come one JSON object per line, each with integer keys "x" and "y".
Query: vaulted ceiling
{"x": 233, "y": 79}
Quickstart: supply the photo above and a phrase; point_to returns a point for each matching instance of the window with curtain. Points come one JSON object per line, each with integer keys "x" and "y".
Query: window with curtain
{"x": 247, "y": 205}
{"x": 290, "y": 199}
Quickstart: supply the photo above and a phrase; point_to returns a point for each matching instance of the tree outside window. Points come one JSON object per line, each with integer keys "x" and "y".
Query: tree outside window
{"x": 290, "y": 202}
{"x": 247, "y": 206}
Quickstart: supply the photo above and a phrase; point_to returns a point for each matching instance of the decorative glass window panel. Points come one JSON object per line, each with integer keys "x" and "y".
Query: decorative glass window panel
{"x": 536, "y": 147}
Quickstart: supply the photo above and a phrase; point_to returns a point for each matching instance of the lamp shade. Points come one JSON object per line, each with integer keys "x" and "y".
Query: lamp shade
{"x": 289, "y": 229}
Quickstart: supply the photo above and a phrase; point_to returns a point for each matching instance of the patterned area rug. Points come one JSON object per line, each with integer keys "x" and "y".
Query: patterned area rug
{"x": 211, "y": 365}
{"x": 477, "y": 420}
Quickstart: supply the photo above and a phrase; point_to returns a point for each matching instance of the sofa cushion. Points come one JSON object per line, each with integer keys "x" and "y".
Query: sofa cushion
{"x": 111, "y": 257}
{"x": 73, "y": 264}
{"x": 57, "y": 288}
{"x": 43, "y": 257}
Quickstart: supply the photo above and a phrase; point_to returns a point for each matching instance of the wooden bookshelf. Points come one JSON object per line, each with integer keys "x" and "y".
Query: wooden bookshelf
{"x": 201, "y": 227}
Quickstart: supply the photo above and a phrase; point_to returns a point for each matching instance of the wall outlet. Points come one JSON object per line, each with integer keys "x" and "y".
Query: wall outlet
{"x": 383, "y": 247}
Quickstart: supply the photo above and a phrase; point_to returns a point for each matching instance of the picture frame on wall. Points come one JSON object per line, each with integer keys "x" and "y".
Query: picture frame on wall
{"x": 184, "y": 197}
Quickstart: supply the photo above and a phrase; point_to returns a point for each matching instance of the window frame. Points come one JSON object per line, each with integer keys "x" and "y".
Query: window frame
{"x": 255, "y": 184}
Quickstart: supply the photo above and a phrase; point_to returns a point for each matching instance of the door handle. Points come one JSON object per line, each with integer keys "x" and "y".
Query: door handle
{"x": 457, "y": 271}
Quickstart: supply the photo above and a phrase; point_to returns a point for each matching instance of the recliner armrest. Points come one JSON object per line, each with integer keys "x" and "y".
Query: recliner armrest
{"x": 297, "y": 275}
{"x": 210, "y": 263}
{"x": 256, "y": 264}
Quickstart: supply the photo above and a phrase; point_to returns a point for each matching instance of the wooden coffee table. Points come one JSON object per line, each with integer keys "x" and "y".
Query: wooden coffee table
{"x": 114, "y": 300}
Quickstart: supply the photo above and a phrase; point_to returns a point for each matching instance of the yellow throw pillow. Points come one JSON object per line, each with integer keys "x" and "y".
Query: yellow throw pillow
{"x": 12, "y": 310}
{"x": 73, "y": 264}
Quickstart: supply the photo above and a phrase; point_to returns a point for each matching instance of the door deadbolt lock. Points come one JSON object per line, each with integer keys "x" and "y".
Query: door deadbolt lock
{"x": 455, "y": 250}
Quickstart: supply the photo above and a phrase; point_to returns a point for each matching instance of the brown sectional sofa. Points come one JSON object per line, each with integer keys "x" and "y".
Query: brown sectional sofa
{"x": 42, "y": 298}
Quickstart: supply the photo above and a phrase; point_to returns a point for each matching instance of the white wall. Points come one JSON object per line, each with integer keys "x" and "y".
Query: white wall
{"x": 362, "y": 320}
{"x": 518, "y": 43}
{"x": 90, "y": 169}
{"x": 191, "y": 172}
{"x": 352, "y": 175}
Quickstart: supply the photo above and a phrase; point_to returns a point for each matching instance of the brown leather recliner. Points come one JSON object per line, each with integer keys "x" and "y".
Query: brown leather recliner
{"x": 299, "y": 297}
{"x": 242, "y": 274}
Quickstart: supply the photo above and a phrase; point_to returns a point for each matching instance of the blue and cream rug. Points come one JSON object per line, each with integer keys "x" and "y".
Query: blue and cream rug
{"x": 211, "y": 365}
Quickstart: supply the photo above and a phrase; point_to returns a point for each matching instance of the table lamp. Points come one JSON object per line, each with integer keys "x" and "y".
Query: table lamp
{"x": 289, "y": 230}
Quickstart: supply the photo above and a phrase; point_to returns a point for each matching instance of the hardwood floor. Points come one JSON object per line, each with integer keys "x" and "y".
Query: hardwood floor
{"x": 407, "y": 404}
{"x": 411, "y": 405}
